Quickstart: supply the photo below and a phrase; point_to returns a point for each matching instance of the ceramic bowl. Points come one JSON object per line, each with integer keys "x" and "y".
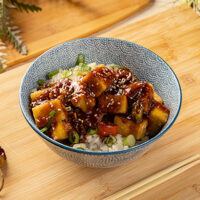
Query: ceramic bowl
{"x": 146, "y": 65}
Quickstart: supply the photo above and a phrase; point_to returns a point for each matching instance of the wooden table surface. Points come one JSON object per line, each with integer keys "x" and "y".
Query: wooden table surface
{"x": 34, "y": 172}
{"x": 61, "y": 21}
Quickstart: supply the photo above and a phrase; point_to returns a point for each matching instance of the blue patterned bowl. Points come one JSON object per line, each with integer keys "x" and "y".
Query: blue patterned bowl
{"x": 146, "y": 65}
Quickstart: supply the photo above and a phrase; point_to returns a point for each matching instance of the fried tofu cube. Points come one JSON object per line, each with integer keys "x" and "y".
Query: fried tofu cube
{"x": 128, "y": 126}
{"x": 147, "y": 97}
{"x": 156, "y": 97}
{"x": 137, "y": 112}
{"x": 59, "y": 108}
{"x": 61, "y": 130}
{"x": 114, "y": 104}
{"x": 132, "y": 89}
{"x": 124, "y": 74}
{"x": 38, "y": 94}
{"x": 158, "y": 116}
{"x": 83, "y": 101}
{"x": 141, "y": 92}
{"x": 97, "y": 80}
{"x": 41, "y": 112}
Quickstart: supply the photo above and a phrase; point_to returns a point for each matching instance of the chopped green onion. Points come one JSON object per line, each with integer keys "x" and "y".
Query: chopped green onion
{"x": 40, "y": 82}
{"x": 82, "y": 72}
{"x": 80, "y": 148}
{"x": 86, "y": 68}
{"x": 129, "y": 141}
{"x": 51, "y": 115}
{"x": 83, "y": 69}
{"x": 67, "y": 73}
{"x": 73, "y": 137}
{"x": 51, "y": 74}
{"x": 111, "y": 140}
{"x": 80, "y": 59}
{"x": 121, "y": 67}
{"x": 92, "y": 131}
{"x": 44, "y": 129}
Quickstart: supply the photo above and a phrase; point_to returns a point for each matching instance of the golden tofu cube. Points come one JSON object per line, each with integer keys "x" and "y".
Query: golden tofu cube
{"x": 83, "y": 101}
{"x": 38, "y": 94}
{"x": 126, "y": 127}
{"x": 98, "y": 80}
{"x": 124, "y": 74}
{"x": 132, "y": 89}
{"x": 157, "y": 97}
{"x": 147, "y": 97}
{"x": 137, "y": 112}
{"x": 41, "y": 112}
{"x": 61, "y": 130}
{"x": 142, "y": 92}
{"x": 114, "y": 104}
{"x": 59, "y": 108}
{"x": 158, "y": 116}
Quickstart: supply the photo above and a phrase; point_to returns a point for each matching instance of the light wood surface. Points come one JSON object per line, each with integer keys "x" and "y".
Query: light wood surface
{"x": 35, "y": 172}
{"x": 174, "y": 189}
{"x": 61, "y": 21}
{"x": 155, "y": 179}
{"x": 154, "y": 7}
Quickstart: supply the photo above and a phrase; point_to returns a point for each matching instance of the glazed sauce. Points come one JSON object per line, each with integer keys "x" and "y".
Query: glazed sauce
{"x": 62, "y": 90}
{"x": 118, "y": 82}
{"x": 92, "y": 82}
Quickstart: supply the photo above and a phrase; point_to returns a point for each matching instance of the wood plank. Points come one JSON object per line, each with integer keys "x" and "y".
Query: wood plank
{"x": 36, "y": 172}
{"x": 61, "y": 21}
{"x": 175, "y": 189}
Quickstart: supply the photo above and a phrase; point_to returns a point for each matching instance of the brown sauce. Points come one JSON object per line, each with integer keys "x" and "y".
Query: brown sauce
{"x": 119, "y": 82}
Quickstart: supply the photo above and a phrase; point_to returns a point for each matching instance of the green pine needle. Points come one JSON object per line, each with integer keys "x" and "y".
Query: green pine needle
{"x": 15, "y": 39}
{"x": 3, "y": 19}
{"x": 2, "y": 60}
{"x": 24, "y": 6}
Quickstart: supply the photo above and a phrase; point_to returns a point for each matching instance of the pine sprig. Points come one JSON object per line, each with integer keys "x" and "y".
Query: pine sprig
{"x": 10, "y": 32}
{"x": 3, "y": 19}
{"x": 24, "y": 6}
{"x": 15, "y": 39}
{"x": 2, "y": 60}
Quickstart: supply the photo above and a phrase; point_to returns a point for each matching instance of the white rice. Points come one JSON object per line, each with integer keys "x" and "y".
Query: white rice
{"x": 75, "y": 76}
{"x": 94, "y": 143}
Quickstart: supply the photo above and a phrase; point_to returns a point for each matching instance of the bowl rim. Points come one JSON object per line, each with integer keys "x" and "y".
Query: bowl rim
{"x": 58, "y": 144}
